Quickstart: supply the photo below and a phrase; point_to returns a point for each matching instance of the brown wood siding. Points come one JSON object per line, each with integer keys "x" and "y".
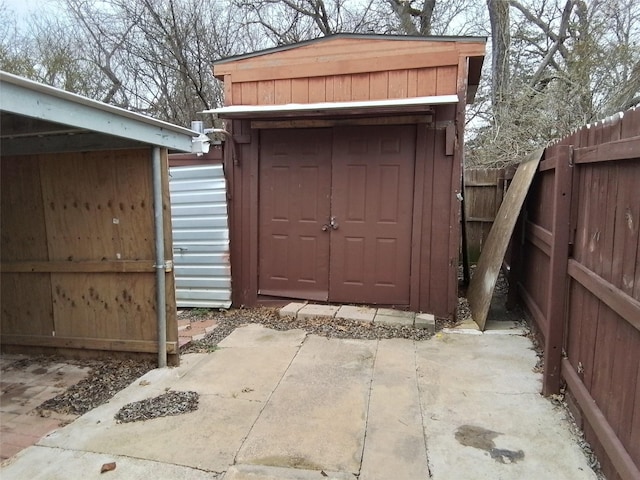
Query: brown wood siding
{"x": 78, "y": 251}
{"x": 598, "y": 324}
{"x": 433, "y": 201}
{"x": 438, "y": 270}
{"x": 346, "y": 88}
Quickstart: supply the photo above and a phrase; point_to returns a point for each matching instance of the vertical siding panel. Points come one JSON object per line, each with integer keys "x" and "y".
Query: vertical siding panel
{"x": 317, "y": 90}
{"x": 426, "y": 259}
{"x": 427, "y": 82}
{"x": 442, "y": 172}
{"x": 379, "y": 85}
{"x": 300, "y": 90}
{"x": 236, "y": 92}
{"x": 412, "y": 83}
{"x": 329, "y": 88}
{"x": 446, "y": 81}
{"x": 398, "y": 84}
{"x": 419, "y": 216}
{"x": 266, "y": 92}
{"x": 360, "y": 86}
{"x": 282, "y": 90}
{"x": 342, "y": 88}
{"x": 249, "y": 93}
{"x": 228, "y": 96}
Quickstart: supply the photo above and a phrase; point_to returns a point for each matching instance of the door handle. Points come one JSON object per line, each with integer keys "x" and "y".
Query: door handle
{"x": 333, "y": 225}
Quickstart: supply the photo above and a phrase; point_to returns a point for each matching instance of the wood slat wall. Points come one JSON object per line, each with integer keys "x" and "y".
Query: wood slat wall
{"x": 483, "y": 193}
{"x": 403, "y": 83}
{"x": 77, "y": 246}
{"x": 597, "y": 318}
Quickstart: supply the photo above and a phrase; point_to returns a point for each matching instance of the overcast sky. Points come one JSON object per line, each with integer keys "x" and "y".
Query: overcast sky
{"x": 23, "y": 9}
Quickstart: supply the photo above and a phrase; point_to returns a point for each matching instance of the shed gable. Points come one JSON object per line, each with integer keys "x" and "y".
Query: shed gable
{"x": 351, "y": 68}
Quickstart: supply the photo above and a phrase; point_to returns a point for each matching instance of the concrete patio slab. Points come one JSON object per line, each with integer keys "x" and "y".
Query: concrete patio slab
{"x": 395, "y": 444}
{"x": 232, "y": 385}
{"x": 496, "y": 426}
{"x": 357, "y": 314}
{"x": 287, "y": 405}
{"x": 45, "y": 463}
{"x": 312, "y": 310}
{"x": 316, "y": 419}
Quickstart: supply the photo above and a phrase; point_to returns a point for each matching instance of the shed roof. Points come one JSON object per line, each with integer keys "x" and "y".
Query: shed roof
{"x": 38, "y": 118}
{"x": 354, "y": 36}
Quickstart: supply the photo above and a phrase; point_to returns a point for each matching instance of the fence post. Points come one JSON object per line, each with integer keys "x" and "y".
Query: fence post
{"x": 558, "y": 280}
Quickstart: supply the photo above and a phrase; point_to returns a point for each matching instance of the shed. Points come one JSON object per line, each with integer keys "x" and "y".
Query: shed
{"x": 345, "y": 169}
{"x": 85, "y": 249}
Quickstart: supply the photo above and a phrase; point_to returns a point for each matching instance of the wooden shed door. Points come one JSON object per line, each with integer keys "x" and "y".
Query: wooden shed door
{"x": 362, "y": 178}
{"x": 295, "y": 186}
{"x": 372, "y": 203}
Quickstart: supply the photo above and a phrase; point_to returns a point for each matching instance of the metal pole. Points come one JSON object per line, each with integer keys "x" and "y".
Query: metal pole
{"x": 160, "y": 261}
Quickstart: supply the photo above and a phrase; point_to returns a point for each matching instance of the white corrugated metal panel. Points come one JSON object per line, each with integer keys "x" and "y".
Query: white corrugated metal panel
{"x": 200, "y": 236}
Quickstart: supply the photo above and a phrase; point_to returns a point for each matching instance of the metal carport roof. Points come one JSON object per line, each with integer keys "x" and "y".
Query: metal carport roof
{"x": 37, "y": 118}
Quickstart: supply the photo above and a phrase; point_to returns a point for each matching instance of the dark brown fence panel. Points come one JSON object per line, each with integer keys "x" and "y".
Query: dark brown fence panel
{"x": 483, "y": 192}
{"x": 580, "y": 279}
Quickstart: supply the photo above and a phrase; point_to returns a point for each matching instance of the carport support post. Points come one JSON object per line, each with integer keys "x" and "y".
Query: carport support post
{"x": 161, "y": 309}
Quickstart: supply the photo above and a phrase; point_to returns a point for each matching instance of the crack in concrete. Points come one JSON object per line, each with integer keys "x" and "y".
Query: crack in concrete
{"x": 366, "y": 422}
{"x": 422, "y": 418}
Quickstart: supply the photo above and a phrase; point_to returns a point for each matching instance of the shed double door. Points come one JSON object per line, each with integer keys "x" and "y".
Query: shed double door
{"x": 336, "y": 214}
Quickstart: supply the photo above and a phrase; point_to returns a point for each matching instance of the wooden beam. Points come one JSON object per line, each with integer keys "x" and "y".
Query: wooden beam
{"x": 622, "y": 461}
{"x": 141, "y": 346}
{"x": 540, "y": 237}
{"x": 619, "y": 150}
{"x": 323, "y": 123}
{"x": 472, "y": 183}
{"x": 112, "y": 266}
{"x": 624, "y": 305}
{"x": 486, "y": 274}
{"x": 549, "y": 163}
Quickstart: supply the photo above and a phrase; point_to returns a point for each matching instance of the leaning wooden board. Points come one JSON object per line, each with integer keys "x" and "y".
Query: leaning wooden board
{"x": 486, "y": 273}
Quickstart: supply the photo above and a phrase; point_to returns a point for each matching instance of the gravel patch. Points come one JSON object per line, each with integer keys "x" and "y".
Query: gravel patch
{"x": 105, "y": 379}
{"x": 328, "y": 327}
{"x": 167, "y": 404}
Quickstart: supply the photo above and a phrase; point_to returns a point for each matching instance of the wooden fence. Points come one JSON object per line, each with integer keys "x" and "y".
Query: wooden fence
{"x": 484, "y": 189}
{"x": 577, "y": 267}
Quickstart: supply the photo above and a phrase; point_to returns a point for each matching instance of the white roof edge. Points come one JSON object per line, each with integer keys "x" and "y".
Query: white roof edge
{"x": 82, "y": 101}
{"x": 366, "y": 104}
